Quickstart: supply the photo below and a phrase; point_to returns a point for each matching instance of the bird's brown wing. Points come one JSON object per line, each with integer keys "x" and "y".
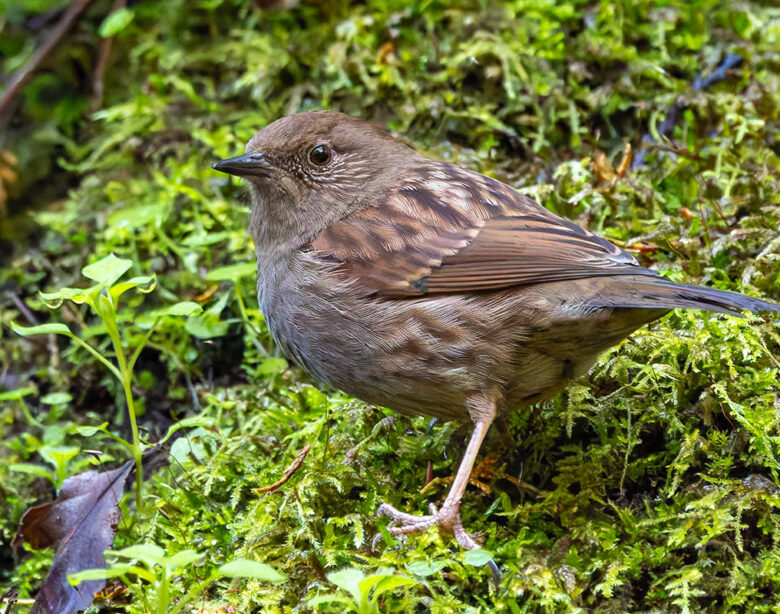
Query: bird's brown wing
{"x": 527, "y": 250}
{"x": 464, "y": 239}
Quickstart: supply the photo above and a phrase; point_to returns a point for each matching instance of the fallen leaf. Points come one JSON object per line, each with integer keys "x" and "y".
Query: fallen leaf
{"x": 80, "y": 524}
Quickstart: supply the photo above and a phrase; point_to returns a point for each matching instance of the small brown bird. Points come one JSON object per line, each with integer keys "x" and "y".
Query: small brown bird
{"x": 431, "y": 289}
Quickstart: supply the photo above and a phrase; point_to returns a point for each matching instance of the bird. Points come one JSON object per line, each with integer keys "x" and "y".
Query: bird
{"x": 431, "y": 289}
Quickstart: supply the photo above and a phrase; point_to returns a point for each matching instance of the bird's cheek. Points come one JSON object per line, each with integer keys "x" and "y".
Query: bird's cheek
{"x": 270, "y": 189}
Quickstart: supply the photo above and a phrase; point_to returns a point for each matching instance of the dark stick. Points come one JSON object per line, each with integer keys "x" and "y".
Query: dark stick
{"x": 22, "y": 76}
{"x": 102, "y": 62}
{"x": 732, "y": 60}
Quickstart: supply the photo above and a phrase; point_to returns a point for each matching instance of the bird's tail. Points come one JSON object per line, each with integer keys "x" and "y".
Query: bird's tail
{"x": 661, "y": 293}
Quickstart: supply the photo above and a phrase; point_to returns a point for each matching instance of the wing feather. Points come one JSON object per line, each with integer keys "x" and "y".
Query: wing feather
{"x": 468, "y": 234}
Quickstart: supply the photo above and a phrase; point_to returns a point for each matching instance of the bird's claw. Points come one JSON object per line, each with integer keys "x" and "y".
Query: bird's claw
{"x": 447, "y": 519}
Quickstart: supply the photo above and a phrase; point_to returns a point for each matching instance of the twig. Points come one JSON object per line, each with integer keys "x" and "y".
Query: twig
{"x": 102, "y": 62}
{"x": 11, "y": 594}
{"x": 731, "y": 60}
{"x": 294, "y": 466}
{"x": 21, "y": 76}
{"x": 19, "y": 304}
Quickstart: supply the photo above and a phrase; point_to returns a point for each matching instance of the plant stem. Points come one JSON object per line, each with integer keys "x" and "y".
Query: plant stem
{"x": 126, "y": 377}
{"x": 142, "y": 345}
{"x": 137, "y": 449}
{"x": 97, "y": 355}
{"x": 163, "y": 593}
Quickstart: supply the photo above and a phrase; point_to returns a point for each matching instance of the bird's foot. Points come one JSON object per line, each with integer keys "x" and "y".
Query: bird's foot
{"x": 447, "y": 519}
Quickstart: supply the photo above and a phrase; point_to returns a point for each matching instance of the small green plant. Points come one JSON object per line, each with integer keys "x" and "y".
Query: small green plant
{"x": 155, "y": 570}
{"x": 364, "y": 591}
{"x": 50, "y": 443}
{"x": 103, "y": 299}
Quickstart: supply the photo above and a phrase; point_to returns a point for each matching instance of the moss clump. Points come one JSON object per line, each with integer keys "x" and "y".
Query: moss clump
{"x": 649, "y": 485}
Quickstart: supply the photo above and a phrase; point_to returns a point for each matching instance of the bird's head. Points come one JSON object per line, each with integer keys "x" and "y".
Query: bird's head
{"x": 309, "y": 170}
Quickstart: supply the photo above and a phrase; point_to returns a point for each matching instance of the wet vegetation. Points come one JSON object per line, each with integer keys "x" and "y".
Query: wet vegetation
{"x": 651, "y": 484}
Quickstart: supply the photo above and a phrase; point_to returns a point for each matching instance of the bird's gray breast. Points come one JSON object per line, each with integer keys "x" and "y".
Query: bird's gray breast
{"x": 311, "y": 317}
{"x": 399, "y": 354}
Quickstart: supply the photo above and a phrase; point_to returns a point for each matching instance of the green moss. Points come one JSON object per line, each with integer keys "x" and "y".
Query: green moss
{"x": 649, "y": 485}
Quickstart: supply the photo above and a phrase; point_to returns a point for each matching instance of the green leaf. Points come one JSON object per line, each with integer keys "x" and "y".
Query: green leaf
{"x": 18, "y": 393}
{"x": 144, "y": 284}
{"x": 272, "y": 366}
{"x": 41, "y": 329}
{"x": 314, "y": 398}
{"x": 318, "y": 599}
{"x": 232, "y": 272}
{"x": 56, "y": 398}
{"x": 116, "y": 22}
{"x": 78, "y": 295}
{"x": 180, "y": 560}
{"x": 186, "y": 450}
{"x": 390, "y": 583}
{"x": 477, "y": 557}
{"x": 58, "y": 455}
{"x": 348, "y": 579}
{"x": 100, "y": 574}
{"x": 32, "y": 469}
{"x": 191, "y": 422}
{"x": 130, "y": 218}
{"x": 206, "y": 326}
{"x": 244, "y": 568}
{"x": 88, "y": 431}
{"x": 107, "y": 270}
{"x": 373, "y": 581}
{"x": 185, "y": 308}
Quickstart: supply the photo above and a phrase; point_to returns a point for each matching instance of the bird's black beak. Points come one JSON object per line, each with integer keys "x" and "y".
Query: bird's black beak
{"x": 253, "y": 163}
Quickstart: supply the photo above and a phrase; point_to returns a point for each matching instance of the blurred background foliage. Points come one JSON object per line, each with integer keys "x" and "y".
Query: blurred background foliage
{"x": 650, "y": 485}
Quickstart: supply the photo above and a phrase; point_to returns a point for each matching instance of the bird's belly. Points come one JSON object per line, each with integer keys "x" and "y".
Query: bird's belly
{"x": 428, "y": 355}
{"x": 393, "y": 355}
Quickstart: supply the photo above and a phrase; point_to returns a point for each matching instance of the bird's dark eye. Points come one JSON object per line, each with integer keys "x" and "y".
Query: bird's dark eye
{"x": 320, "y": 155}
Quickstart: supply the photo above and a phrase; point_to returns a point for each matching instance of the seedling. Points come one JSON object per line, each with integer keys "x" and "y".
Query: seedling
{"x": 103, "y": 300}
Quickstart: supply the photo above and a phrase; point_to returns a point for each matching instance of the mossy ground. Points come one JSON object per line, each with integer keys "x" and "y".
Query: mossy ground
{"x": 649, "y": 485}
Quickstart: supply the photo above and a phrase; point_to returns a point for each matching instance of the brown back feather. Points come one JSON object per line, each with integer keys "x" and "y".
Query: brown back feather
{"x": 457, "y": 231}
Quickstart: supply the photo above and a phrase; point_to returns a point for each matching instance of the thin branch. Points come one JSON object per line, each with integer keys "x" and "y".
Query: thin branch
{"x": 19, "y": 304}
{"x": 102, "y": 62}
{"x": 294, "y": 466}
{"x": 18, "y": 80}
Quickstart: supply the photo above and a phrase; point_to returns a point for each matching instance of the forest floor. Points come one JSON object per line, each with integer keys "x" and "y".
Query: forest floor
{"x": 649, "y": 485}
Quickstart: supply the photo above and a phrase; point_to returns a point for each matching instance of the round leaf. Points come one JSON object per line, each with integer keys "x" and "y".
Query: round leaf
{"x": 232, "y": 272}
{"x": 116, "y": 22}
{"x": 425, "y": 568}
{"x": 56, "y": 398}
{"x": 185, "y": 308}
{"x": 107, "y": 270}
{"x": 477, "y": 558}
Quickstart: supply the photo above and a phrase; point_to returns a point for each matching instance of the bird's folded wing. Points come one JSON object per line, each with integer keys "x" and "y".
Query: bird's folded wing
{"x": 415, "y": 244}
{"x": 526, "y": 250}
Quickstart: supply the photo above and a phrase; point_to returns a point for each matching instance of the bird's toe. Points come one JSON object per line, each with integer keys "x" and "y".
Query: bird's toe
{"x": 447, "y": 519}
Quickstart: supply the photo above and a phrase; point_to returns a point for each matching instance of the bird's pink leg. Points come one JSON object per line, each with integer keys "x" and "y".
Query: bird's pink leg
{"x": 448, "y": 517}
